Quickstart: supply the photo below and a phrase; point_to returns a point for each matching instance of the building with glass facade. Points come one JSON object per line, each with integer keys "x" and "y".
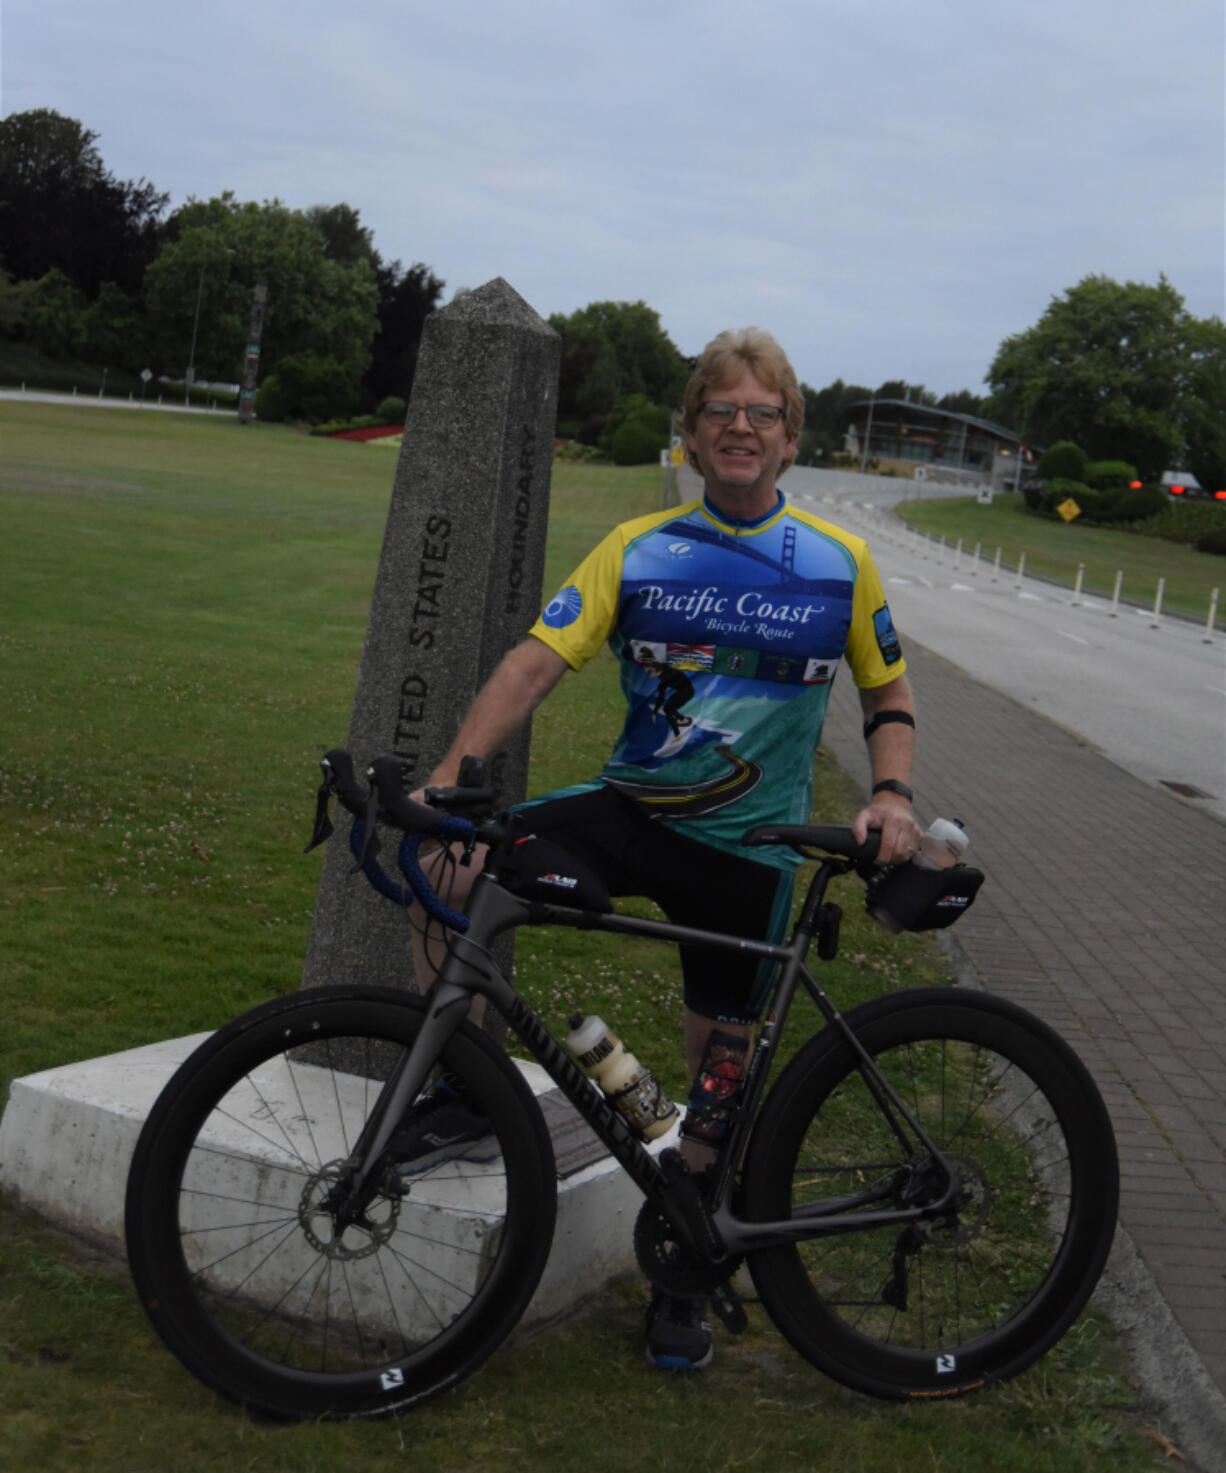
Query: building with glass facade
{"x": 898, "y": 430}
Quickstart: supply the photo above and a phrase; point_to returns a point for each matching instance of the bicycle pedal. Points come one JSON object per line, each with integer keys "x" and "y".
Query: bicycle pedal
{"x": 726, "y": 1303}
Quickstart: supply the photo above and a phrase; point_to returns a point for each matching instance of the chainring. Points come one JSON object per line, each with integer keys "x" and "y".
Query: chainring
{"x": 669, "y": 1264}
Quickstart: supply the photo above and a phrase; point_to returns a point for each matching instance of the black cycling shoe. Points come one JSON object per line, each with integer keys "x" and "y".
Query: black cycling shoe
{"x": 440, "y": 1127}
{"x": 678, "y": 1336}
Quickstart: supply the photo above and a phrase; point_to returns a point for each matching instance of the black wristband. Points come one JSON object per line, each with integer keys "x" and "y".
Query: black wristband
{"x": 892, "y": 785}
{"x": 882, "y": 717}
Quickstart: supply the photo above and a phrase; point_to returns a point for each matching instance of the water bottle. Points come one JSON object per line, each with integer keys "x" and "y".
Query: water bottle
{"x": 943, "y": 845}
{"x": 630, "y": 1088}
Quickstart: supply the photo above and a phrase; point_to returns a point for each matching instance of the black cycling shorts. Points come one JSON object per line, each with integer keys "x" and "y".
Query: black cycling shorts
{"x": 693, "y": 883}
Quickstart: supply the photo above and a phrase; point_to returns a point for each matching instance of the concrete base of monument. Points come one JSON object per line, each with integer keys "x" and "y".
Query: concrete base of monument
{"x": 67, "y": 1137}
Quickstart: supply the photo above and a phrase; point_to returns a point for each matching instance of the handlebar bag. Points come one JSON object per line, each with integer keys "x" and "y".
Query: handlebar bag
{"x": 924, "y": 899}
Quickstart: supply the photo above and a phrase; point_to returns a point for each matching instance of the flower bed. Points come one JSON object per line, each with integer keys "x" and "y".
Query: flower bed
{"x": 378, "y": 432}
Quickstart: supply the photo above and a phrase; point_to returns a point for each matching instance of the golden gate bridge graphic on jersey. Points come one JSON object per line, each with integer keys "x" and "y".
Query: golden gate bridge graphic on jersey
{"x": 783, "y": 567}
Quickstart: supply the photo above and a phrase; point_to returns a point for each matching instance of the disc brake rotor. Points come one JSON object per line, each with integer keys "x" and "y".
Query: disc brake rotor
{"x": 359, "y": 1239}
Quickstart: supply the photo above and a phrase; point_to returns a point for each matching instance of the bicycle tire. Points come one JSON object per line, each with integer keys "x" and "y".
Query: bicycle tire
{"x": 947, "y": 1308}
{"x": 237, "y": 1263}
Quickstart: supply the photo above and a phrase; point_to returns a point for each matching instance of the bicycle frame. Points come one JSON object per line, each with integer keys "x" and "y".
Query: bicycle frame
{"x": 712, "y": 1229}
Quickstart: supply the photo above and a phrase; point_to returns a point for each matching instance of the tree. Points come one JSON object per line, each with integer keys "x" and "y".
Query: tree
{"x": 61, "y": 210}
{"x": 14, "y": 305}
{"x": 55, "y": 316}
{"x": 964, "y": 402}
{"x": 114, "y": 330}
{"x": 1124, "y": 370}
{"x": 202, "y": 281}
{"x": 346, "y": 239}
{"x": 406, "y": 299}
{"x": 611, "y": 350}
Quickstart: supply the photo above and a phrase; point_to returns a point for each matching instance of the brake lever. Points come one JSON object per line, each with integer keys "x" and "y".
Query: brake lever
{"x": 323, "y": 827}
{"x": 370, "y": 835}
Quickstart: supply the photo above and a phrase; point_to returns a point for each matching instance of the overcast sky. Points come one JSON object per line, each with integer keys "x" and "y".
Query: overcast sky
{"x": 890, "y": 188}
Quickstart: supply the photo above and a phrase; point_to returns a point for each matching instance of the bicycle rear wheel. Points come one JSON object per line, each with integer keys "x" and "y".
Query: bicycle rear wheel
{"x": 236, "y": 1256}
{"x": 938, "y": 1307}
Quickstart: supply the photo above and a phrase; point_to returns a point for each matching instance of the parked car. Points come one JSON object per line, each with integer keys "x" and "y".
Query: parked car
{"x": 1183, "y": 484}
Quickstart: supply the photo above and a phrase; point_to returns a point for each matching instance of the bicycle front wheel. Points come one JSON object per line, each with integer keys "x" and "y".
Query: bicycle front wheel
{"x": 944, "y": 1305}
{"x": 237, "y": 1254}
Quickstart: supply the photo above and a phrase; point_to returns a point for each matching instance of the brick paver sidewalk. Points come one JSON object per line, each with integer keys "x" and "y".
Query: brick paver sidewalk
{"x": 1105, "y": 914}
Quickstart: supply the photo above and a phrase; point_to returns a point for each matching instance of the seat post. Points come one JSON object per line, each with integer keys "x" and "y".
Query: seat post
{"x": 809, "y": 920}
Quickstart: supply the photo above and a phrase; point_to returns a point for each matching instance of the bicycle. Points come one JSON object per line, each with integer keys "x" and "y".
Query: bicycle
{"x": 925, "y": 1197}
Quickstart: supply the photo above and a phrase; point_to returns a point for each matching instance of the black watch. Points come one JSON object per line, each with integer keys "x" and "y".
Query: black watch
{"x": 892, "y": 785}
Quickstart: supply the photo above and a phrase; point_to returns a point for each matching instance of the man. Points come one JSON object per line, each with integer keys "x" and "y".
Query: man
{"x": 730, "y": 617}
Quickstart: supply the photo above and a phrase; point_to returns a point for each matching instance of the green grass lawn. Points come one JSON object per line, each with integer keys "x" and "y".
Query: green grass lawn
{"x": 181, "y": 619}
{"x": 1054, "y": 549}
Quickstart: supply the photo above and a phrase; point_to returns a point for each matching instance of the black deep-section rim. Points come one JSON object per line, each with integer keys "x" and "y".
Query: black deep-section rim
{"x": 822, "y": 1335}
{"x": 166, "y": 1283}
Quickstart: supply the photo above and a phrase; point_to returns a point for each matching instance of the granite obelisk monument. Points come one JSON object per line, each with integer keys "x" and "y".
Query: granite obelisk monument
{"x": 458, "y": 584}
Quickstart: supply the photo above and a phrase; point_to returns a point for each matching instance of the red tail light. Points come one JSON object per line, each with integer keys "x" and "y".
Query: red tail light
{"x": 1176, "y": 490}
{"x": 1134, "y": 485}
{"x": 1219, "y": 496}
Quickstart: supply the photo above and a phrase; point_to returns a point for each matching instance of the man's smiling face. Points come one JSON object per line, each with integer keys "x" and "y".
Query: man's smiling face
{"x": 740, "y": 463}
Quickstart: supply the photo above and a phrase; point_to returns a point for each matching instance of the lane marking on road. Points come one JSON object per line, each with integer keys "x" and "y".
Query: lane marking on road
{"x": 1217, "y": 690}
{"x": 961, "y": 588}
{"x": 1036, "y": 598}
{"x": 1064, "y": 634}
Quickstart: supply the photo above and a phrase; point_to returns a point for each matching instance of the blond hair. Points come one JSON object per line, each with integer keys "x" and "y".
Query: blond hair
{"x": 729, "y": 355}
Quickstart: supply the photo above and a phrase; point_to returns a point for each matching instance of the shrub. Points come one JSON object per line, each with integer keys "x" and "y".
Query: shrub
{"x": 1059, "y": 490}
{"x": 1214, "y": 542}
{"x": 572, "y": 452}
{"x": 335, "y": 426}
{"x": 637, "y": 443}
{"x": 1140, "y": 505}
{"x": 1102, "y": 474}
{"x": 1186, "y": 522}
{"x": 636, "y": 430}
{"x": 392, "y": 410}
{"x": 1063, "y": 461}
{"x": 270, "y": 401}
{"x": 315, "y": 387}
{"x": 1087, "y": 500}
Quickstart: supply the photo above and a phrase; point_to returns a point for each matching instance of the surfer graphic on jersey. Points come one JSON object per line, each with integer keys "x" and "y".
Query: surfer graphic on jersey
{"x": 672, "y": 692}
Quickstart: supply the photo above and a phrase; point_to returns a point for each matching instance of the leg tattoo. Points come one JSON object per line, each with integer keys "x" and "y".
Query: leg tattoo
{"x": 717, "y": 1088}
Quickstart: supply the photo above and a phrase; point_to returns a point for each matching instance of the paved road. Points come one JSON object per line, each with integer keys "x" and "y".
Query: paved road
{"x": 35, "y": 396}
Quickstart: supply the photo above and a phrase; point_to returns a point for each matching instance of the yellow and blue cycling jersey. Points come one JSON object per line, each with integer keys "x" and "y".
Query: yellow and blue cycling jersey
{"x": 729, "y": 635}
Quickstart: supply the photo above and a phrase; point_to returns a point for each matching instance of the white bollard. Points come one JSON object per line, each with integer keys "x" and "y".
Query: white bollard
{"x": 1115, "y": 597}
{"x": 1021, "y": 568}
{"x": 975, "y": 559}
{"x": 1081, "y": 572}
{"x": 996, "y": 567}
{"x": 1156, "y": 620}
{"x": 1212, "y": 619}
{"x": 958, "y": 554}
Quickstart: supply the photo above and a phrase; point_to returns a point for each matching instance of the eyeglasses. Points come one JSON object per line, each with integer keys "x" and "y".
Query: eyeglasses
{"x": 760, "y": 416}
